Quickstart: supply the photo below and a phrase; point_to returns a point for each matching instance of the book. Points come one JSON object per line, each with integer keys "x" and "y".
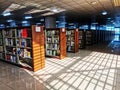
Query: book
{"x": 1, "y": 48}
{"x": 24, "y": 33}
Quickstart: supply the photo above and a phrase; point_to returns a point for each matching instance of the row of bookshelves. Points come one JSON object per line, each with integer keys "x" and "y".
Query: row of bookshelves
{"x": 18, "y": 46}
{"x": 22, "y": 46}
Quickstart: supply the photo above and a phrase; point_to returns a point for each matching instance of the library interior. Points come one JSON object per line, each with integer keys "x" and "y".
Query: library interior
{"x": 59, "y": 44}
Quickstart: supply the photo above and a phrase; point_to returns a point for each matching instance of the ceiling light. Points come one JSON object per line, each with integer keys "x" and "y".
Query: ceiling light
{"x": 10, "y": 20}
{"x": 54, "y": 9}
{"x": 41, "y": 20}
{"x": 109, "y": 18}
{"x": 95, "y": 23}
{"x": 57, "y": 21}
{"x": 6, "y": 14}
{"x": 71, "y": 24}
{"x": 1, "y": 25}
{"x": 24, "y": 21}
{"x": 104, "y": 13}
{"x": 28, "y": 17}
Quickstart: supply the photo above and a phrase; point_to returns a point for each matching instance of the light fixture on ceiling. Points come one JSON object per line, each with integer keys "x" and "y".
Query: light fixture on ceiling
{"x": 94, "y": 23}
{"x": 42, "y": 20}
{"x": 104, "y": 13}
{"x": 24, "y": 21}
{"x": 6, "y": 14}
{"x": 109, "y": 18}
{"x": 10, "y": 20}
{"x": 28, "y": 17}
{"x": 54, "y": 9}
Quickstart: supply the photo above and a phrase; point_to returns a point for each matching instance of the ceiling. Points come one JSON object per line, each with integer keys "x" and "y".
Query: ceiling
{"x": 83, "y": 11}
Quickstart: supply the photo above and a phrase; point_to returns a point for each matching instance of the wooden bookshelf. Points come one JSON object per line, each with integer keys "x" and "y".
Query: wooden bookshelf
{"x": 72, "y": 40}
{"x": 24, "y": 46}
{"x": 55, "y": 42}
{"x": 81, "y": 39}
{"x": 88, "y": 36}
{"x": 2, "y": 54}
{"x": 94, "y": 37}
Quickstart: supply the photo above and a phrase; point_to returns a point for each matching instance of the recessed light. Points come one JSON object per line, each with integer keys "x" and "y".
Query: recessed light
{"x": 54, "y": 9}
{"x": 104, "y": 13}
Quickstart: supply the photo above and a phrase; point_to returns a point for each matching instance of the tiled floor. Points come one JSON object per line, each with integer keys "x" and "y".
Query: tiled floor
{"x": 85, "y": 70}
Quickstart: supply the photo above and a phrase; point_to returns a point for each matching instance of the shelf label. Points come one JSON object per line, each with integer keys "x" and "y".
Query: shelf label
{"x": 63, "y": 29}
{"x": 77, "y": 30}
{"x": 38, "y": 29}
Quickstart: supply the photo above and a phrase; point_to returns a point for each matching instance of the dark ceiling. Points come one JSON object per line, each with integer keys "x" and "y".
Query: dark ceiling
{"x": 83, "y": 11}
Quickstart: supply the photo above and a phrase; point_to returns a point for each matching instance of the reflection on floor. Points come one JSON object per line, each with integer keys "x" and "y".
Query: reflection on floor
{"x": 85, "y": 70}
{"x": 112, "y": 47}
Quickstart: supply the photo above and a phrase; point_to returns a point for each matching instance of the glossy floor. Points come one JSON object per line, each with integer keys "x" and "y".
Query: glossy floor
{"x": 85, "y": 70}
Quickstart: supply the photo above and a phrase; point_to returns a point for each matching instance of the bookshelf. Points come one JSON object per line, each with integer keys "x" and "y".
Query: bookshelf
{"x": 72, "y": 40}
{"x": 2, "y": 56}
{"x": 94, "y": 37}
{"x": 81, "y": 39}
{"x": 24, "y": 46}
{"x": 55, "y": 43}
{"x": 88, "y": 37}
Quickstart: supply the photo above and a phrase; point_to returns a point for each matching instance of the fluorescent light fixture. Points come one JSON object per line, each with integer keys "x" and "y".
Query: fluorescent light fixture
{"x": 6, "y": 14}
{"x": 24, "y": 21}
{"x": 41, "y": 20}
{"x": 109, "y": 18}
{"x": 71, "y": 24}
{"x": 1, "y": 25}
{"x": 104, "y": 13}
{"x": 28, "y": 17}
{"x": 54, "y": 9}
{"x": 95, "y": 23}
{"x": 10, "y": 20}
{"x": 57, "y": 21}
{"x": 38, "y": 23}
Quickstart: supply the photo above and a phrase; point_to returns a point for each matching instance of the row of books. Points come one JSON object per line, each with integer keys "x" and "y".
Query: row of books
{"x": 2, "y": 56}
{"x": 24, "y": 53}
{"x": 1, "y": 41}
{"x": 1, "y": 48}
{"x": 70, "y": 32}
{"x": 53, "y": 39}
{"x": 70, "y": 39}
{"x": 24, "y": 33}
{"x": 53, "y": 32}
{"x": 9, "y": 33}
{"x": 11, "y": 58}
{"x": 11, "y": 50}
{"x": 1, "y": 35}
{"x": 23, "y": 42}
{"x": 10, "y": 42}
{"x": 53, "y": 46}
{"x": 70, "y": 43}
{"x": 70, "y": 48}
{"x": 53, "y": 52}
